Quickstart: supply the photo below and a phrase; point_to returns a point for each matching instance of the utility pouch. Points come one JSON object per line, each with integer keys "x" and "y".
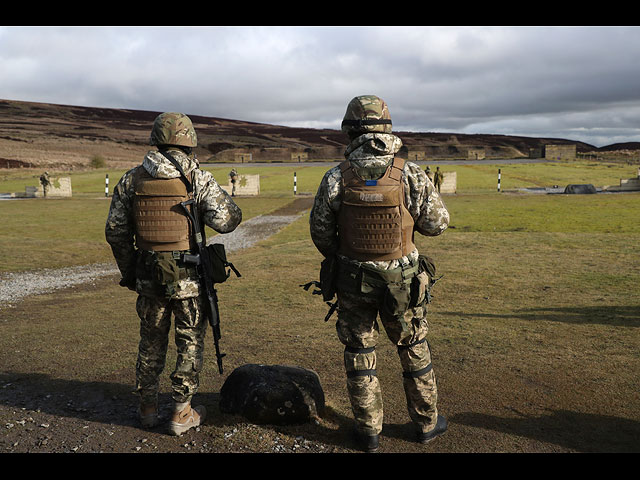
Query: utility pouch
{"x": 397, "y": 297}
{"x": 426, "y": 264}
{"x": 166, "y": 270}
{"x": 419, "y": 290}
{"x": 328, "y": 272}
{"x": 218, "y": 263}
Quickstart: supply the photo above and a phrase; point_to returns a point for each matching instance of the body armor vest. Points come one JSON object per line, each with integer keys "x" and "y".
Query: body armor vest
{"x": 160, "y": 221}
{"x": 373, "y": 222}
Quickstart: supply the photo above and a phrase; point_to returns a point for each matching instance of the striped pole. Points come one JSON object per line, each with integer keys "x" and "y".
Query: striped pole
{"x": 295, "y": 183}
{"x": 106, "y": 186}
{"x": 498, "y": 179}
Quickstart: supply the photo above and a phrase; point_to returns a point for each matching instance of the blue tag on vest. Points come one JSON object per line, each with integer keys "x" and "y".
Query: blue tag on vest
{"x": 371, "y": 183}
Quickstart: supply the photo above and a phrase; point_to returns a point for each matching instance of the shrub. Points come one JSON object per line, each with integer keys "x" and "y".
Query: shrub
{"x": 98, "y": 161}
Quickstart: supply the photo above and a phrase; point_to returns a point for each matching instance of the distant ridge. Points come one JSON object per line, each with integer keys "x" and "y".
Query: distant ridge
{"x": 64, "y": 136}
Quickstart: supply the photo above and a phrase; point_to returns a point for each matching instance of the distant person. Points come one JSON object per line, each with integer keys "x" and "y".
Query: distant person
{"x": 428, "y": 172}
{"x": 378, "y": 270}
{"x": 437, "y": 178}
{"x": 233, "y": 174}
{"x": 151, "y": 259}
{"x": 45, "y": 180}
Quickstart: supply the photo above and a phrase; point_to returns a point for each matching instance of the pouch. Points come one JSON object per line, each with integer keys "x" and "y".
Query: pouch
{"x": 426, "y": 264}
{"x": 419, "y": 290}
{"x": 397, "y": 297}
{"x": 328, "y": 272}
{"x": 218, "y": 262}
{"x": 166, "y": 270}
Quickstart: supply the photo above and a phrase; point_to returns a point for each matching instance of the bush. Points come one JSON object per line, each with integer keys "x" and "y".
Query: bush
{"x": 98, "y": 161}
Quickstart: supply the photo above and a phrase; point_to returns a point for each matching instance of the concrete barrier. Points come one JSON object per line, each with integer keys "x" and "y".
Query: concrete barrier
{"x": 245, "y": 185}
{"x": 449, "y": 182}
{"x": 60, "y": 187}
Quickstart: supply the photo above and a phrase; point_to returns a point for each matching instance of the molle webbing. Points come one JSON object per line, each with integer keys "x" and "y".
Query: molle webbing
{"x": 373, "y": 222}
{"x": 161, "y": 224}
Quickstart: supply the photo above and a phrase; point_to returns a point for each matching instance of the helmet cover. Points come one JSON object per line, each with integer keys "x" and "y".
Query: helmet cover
{"x": 366, "y": 114}
{"x": 171, "y": 128}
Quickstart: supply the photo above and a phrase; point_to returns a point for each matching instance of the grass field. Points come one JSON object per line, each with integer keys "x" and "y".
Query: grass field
{"x": 534, "y": 327}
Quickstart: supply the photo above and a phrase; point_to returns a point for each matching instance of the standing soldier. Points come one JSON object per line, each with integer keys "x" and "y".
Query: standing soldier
{"x": 428, "y": 172}
{"x": 362, "y": 221}
{"x": 150, "y": 234}
{"x": 437, "y": 178}
{"x": 234, "y": 177}
{"x": 45, "y": 181}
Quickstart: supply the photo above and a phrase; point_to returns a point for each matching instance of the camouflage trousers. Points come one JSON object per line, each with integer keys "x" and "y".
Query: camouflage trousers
{"x": 190, "y": 328}
{"x": 358, "y": 330}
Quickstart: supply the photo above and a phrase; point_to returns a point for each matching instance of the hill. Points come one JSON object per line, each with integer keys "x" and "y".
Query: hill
{"x": 66, "y": 137}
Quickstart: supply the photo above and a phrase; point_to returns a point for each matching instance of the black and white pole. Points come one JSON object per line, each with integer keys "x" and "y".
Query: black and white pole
{"x": 106, "y": 186}
{"x": 498, "y": 179}
{"x": 295, "y": 183}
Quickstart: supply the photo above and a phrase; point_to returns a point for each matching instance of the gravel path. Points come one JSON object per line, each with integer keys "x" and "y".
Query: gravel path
{"x": 15, "y": 286}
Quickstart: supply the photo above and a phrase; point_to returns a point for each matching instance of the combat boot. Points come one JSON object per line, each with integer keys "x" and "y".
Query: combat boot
{"x": 368, "y": 443}
{"x": 148, "y": 415}
{"x": 439, "y": 429}
{"x": 184, "y": 417}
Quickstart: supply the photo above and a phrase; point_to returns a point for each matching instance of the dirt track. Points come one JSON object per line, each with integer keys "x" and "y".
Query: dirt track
{"x": 15, "y": 286}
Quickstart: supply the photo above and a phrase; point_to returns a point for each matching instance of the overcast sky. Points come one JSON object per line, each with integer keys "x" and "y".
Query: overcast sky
{"x": 580, "y": 83}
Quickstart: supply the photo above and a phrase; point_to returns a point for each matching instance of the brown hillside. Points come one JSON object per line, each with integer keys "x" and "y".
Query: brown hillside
{"x": 66, "y": 137}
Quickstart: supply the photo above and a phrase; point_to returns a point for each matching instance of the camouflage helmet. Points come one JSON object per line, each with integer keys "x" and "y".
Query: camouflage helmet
{"x": 366, "y": 114}
{"x": 172, "y": 128}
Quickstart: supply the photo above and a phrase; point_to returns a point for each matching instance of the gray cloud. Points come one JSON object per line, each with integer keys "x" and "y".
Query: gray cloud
{"x": 568, "y": 82}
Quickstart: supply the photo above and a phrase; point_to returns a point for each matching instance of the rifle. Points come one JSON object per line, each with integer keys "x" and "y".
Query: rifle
{"x": 207, "y": 261}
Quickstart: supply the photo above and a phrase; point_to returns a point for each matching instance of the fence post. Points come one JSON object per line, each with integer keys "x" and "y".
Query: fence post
{"x": 295, "y": 183}
{"x": 498, "y": 179}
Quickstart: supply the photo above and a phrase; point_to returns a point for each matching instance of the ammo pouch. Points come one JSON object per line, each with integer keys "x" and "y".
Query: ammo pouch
{"x": 218, "y": 263}
{"x": 166, "y": 270}
{"x": 328, "y": 272}
{"x": 426, "y": 276}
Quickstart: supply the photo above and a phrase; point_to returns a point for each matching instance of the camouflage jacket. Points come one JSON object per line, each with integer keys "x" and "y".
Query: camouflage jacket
{"x": 425, "y": 205}
{"x": 215, "y": 206}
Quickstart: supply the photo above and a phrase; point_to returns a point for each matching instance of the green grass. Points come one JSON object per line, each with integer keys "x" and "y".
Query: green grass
{"x": 484, "y": 178}
{"x": 607, "y": 213}
{"x": 39, "y": 233}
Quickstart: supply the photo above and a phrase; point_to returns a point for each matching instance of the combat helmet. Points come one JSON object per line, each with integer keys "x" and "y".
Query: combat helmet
{"x": 366, "y": 114}
{"x": 171, "y": 128}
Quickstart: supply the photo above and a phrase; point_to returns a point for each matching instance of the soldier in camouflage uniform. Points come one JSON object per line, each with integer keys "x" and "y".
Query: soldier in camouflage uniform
{"x": 233, "y": 174}
{"x": 437, "y": 179}
{"x": 46, "y": 183}
{"x": 394, "y": 287}
{"x": 149, "y": 234}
